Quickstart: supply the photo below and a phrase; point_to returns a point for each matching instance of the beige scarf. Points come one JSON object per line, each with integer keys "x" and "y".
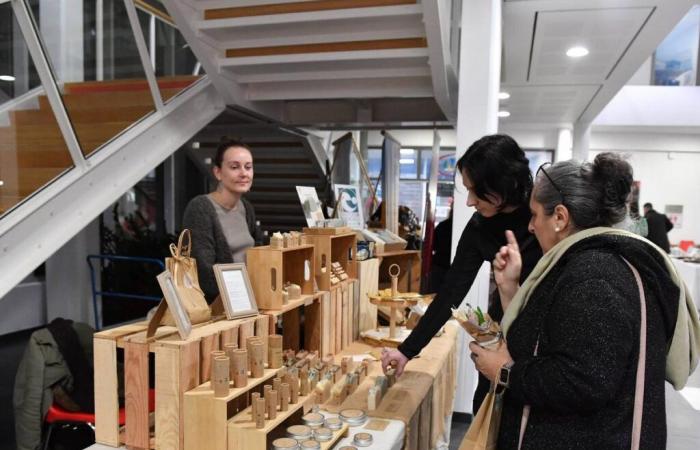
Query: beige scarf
{"x": 683, "y": 355}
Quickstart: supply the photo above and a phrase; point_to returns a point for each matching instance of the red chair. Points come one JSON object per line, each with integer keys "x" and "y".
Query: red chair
{"x": 59, "y": 416}
{"x": 686, "y": 245}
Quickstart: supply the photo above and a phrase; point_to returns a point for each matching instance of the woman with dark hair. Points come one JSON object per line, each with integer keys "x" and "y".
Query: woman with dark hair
{"x": 587, "y": 333}
{"x": 222, "y": 222}
{"x": 495, "y": 171}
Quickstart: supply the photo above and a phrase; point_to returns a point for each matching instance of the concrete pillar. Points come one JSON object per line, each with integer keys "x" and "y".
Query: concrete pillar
{"x": 582, "y": 141}
{"x": 565, "y": 141}
{"x": 68, "y": 292}
{"x": 477, "y": 115}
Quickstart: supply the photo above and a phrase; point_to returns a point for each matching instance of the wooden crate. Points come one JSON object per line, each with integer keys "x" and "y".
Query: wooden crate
{"x": 341, "y": 316}
{"x": 332, "y": 248}
{"x": 288, "y": 322}
{"x": 242, "y": 434}
{"x": 206, "y": 416}
{"x": 410, "y": 263}
{"x": 270, "y": 268}
{"x": 368, "y": 277}
{"x": 179, "y": 366}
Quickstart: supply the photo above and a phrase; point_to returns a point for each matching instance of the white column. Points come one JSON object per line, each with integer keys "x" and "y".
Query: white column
{"x": 565, "y": 141}
{"x": 68, "y": 291}
{"x": 582, "y": 141}
{"x": 477, "y": 115}
{"x": 62, "y": 32}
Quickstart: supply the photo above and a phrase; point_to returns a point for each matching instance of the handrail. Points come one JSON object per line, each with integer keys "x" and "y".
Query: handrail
{"x": 96, "y": 293}
{"x": 150, "y": 9}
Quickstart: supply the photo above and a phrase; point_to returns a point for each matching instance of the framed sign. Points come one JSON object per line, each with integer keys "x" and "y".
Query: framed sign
{"x": 235, "y": 290}
{"x": 172, "y": 299}
{"x": 349, "y": 208}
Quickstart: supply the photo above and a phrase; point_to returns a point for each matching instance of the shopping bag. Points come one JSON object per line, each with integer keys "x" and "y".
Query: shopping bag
{"x": 184, "y": 271}
{"x": 483, "y": 431}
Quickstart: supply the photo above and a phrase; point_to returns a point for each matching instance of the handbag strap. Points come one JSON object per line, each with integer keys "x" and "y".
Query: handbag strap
{"x": 641, "y": 366}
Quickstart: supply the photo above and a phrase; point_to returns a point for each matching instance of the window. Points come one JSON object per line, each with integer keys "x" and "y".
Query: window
{"x": 676, "y": 58}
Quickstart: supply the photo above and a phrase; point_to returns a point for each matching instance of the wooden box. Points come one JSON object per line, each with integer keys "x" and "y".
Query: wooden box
{"x": 269, "y": 269}
{"x": 330, "y": 248}
{"x": 288, "y": 321}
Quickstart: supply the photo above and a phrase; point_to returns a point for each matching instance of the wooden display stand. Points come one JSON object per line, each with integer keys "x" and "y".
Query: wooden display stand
{"x": 368, "y": 276}
{"x": 338, "y": 317}
{"x": 243, "y": 434}
{"x": 332, "y": 245}
{"x": 310, "y": 308}
{"x": 180, "y": 365}
{"x": 271, "y": 268}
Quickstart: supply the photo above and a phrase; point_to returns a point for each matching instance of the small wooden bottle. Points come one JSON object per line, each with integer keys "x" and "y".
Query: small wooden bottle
{"x": 274, "y": 351}
{"x": 294, "y": 389}
{"x": 240, "y": 368}
{"x": 259, "y": 413}
{"x": 304, "y": 378}
{"x": 257, "y": 368}
{"x": 220, "y": 376}
{"x": 276, "y": 385}
{"x": 254, "y": 404}
{"x": 284, "y": 397}
{"x": 271, "y": 401}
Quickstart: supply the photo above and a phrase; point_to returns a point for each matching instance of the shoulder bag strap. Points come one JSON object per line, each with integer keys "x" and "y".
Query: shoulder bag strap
{"x": 639, "y": 388}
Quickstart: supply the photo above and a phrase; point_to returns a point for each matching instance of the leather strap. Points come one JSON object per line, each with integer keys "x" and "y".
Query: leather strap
{"x": 641, "y": 368}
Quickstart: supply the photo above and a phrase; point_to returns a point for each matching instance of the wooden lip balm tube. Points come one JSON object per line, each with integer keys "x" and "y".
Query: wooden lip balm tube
{"x": 240, "y": 368}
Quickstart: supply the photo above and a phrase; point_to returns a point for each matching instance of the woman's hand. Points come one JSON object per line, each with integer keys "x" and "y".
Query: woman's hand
{"x": 488, "y": 361}
{"x": 507, "y": 265}
{"x": 394, "y": 358}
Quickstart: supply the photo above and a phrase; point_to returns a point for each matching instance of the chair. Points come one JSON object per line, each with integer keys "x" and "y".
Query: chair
{"x": 686, "y": 245}
{"x": 59, "y": 416}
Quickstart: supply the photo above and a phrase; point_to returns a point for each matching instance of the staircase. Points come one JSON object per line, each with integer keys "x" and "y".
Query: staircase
{"x": 282, "y": 160}
{"x": 322, "y": 62}
{"x": 32, "y": 149}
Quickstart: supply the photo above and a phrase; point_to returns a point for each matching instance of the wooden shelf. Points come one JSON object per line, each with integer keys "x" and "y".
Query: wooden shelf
{"x": 242, "y": 434}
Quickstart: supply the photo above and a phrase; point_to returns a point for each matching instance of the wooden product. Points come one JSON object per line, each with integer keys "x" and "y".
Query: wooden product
{"x": 339, "y": 248}
{"x": 262, "y": 331}
{"x": 245, "y": 330}
{"x": 229, "y": 337}
{"x": 277, "y": 240}
{"x": 260, "y": 412}
{"x": 294, "y": 389}
{"x": 207, "y": 345}
{"x": 274, "y": 351}
{"x": 230, "y": 349}
{"x": 271, "y": 402}
{"x": 284, "y": 397}
{"x": 276, "y": 386}
{"x": 275, "y": 267}
{"x": 254, "y": 396}
{"x": 304, "y": 379}
{"x": 220, "y": 376}
{"x": 258, "y": 365}
{"x": 240, "y": 368}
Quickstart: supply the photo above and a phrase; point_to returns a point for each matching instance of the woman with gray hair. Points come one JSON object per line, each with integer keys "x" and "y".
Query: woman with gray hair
{"x": 590, "y": 333}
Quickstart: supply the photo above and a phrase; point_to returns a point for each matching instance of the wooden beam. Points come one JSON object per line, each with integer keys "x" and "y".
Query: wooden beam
{"x": 328, "y": 47}
{"x": 298, "y": 7}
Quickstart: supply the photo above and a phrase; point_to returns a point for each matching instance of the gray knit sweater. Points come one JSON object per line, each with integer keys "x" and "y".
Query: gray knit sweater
{"x": 209, "y": 244}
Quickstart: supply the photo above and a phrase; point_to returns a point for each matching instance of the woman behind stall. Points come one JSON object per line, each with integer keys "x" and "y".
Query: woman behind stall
{"x": 222, "y": 222}
{"x": 495, "y": 171}
{"x": 573, "y": 328}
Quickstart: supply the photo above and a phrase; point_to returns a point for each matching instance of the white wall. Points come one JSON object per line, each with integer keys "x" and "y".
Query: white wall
{"x": 670, "y": 178}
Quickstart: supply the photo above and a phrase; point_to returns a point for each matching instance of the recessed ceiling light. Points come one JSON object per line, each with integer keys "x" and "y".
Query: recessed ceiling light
{"x": 576, "y": 52}
{"x": 7, "y": 78}
{"x": 503, "y": 96}
{"x": 503, "y": 113}
{"x": 2, "y": 183}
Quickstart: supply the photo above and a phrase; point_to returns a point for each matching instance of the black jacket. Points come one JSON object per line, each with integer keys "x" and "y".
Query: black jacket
{"x": 480, "y": 240}
{"x": 586, "y": 315}
{"x": 659, "y": 226}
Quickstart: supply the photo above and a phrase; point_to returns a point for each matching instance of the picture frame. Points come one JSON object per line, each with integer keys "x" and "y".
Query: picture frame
{"x": 235, "y": 290}
{"x": 350, "y": 205}
{"x": 172, "y": 299}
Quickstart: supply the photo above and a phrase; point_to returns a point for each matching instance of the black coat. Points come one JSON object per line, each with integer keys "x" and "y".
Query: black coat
{"x": 659, "y": 226}
{"x": 586, "y": 315}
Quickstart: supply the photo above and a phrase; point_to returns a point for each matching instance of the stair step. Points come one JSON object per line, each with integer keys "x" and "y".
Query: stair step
{"x": 169, "y": 83}
{"x": 297, "y": 7}
{"x": 110, "y": 114}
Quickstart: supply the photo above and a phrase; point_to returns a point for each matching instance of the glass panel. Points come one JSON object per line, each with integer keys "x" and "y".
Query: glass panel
{"x": 112, "y": 93}
{"x": 374, "y": 163}
{"x": 676, "y": 59}
{"x": 538, "y": 157}
{"x": 412, "y": 194}
{"x": 174, "y": 64}
{"x": 446, "y": 165}
{"x": 32, "y": 149}
{"x": 408, "y": 164}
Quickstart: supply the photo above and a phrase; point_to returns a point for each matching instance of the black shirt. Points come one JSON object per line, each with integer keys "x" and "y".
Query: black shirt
{"x": 480, "y": 240}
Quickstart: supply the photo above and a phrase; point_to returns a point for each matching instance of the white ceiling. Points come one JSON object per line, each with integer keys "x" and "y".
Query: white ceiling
{"x": 549, "y": 88}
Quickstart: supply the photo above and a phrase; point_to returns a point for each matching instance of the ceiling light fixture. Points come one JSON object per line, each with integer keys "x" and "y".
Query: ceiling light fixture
{"x": 503, "y": 113}
{"x": 2, "y": 183}
{"x": 503, "y": 96}
{"x": 7, "y": 78}
{"x": 577, "y": 52}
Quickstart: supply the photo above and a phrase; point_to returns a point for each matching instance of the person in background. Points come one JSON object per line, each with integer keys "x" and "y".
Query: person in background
{"x": 658, "y": 226}
{"x": 223, "y": 222}
{"x": 495, "y": 171}
{"x": 442, "y": 248}
{"x": 573, "y": 329}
